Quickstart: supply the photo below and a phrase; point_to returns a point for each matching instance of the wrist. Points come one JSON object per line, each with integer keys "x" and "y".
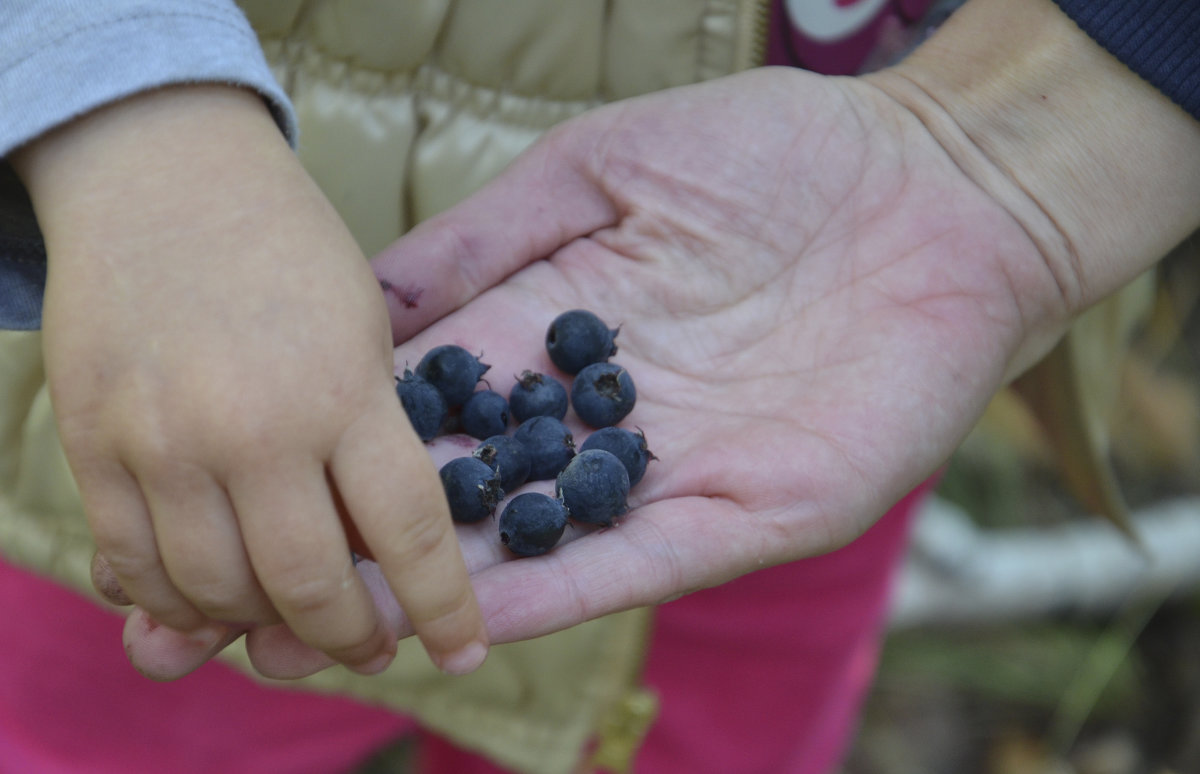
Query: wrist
{"x": 151, "y": 158}
{"x": 186, "y": 194}
{"x": 1100, "y": 169}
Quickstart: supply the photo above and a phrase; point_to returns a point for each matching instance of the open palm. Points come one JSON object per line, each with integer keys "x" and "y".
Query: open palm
{"x": 815, "y": 302}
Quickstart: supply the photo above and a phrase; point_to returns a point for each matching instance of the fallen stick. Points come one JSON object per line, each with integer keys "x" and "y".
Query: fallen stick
{"x": 958, "y": 573}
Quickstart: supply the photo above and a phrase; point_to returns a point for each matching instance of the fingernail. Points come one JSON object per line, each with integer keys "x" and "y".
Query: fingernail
{"x": 209, "y": 635}
{"x": 375, "y": 665}
{"x": 463, "y": 661}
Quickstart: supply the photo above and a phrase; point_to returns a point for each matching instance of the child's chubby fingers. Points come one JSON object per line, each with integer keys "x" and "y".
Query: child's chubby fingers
{"x": 392, "y": 491}
{"x": 276, "y": 652}
{"x": 299, "y": 553}
{"x": 201, "y": 545}
{"x": 121, "y": 524}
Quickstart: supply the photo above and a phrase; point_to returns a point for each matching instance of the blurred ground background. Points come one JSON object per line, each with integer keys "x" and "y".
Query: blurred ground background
{"x": 1065, "y": 693}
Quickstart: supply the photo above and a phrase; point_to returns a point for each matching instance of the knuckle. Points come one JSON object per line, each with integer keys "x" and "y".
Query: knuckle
{"x": 447, "y": 607}
{"x": 129, "y": 564}
{"x": 216, "y": 597}
{"x": 310, "y": 594}
{"x": 162, "y": 442}
{"x": 78, "y": 431}
{"x": 151, "y": 451}
{"x": 422, "y": 537}
{"x": 179, "y": 617}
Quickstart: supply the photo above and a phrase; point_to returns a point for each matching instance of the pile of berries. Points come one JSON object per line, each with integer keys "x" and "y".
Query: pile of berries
{"x": 591, "y": 482}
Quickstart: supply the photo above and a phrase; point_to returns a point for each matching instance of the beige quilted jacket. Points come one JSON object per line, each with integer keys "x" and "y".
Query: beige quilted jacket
{"x": 404, "y": 108}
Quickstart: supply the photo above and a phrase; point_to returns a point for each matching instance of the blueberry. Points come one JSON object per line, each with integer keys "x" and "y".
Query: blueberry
{"x": 603, "y": 394}
{"x": 532, "y": 523}
{"x": 424, "y": 404}
{"x": 579, "y": 338}
{"x": 550, "y": 444}
{"x": 484, "y": 414}
{"x": 472, "y": 489}
{"x": 508, "y": 457}
{"x": 594, "y": 487}
{"x": 453, "y": 370}
{"x": 537, "y": 395}
{"x": 627, "y": 446}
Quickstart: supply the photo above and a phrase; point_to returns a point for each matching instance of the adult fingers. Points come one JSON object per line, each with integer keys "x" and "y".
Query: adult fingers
{"x": 591, "y": 573}
{"x": 299, "y": 553}
{"x": 656, "y": 553}
{"x": 391, "y": 488}
{"x": 275, "y": 652}
{"x": 643, "y": 560}
{"x": 543, "y": 200}
{"x": 163, "y": 654}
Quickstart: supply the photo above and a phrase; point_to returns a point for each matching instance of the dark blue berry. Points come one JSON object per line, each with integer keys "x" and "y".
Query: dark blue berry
{"x": 537, "y": 395}
{"x": 508, "y": 457}
{"x": 472, "y": 489}
{"x": 453, "y": 370}
{"x": 603, "y": 394}
{"x": 627, "y": 446}
{"x": 550, "y": 444}
{"x": 594, "y": 487}
{"x": 579, "y": 338}
{"x": 532, "y": 523}
{"x": 484, "y": 414}
{"x": 424, "y": 404}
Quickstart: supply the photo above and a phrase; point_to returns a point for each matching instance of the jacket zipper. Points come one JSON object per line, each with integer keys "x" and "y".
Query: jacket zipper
{"x": 753, "y": 27}
{"x": 624, "y": 726}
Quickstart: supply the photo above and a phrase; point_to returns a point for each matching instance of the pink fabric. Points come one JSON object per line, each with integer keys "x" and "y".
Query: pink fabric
{"x": 765, "y": 674}
{"x": 837, "y": 37}
{"x": 70, "y": 703}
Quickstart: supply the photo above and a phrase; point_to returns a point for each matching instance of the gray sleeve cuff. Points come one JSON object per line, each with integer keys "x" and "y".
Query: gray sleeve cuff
{"x": 60, "y": 59}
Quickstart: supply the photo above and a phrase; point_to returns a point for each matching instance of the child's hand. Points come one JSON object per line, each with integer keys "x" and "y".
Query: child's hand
{"x": 221, "y": 370}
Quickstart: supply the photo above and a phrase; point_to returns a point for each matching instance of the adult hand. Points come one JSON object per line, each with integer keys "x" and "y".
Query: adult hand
{"x": 815, "y": 304}
{"x": 220, "y": 367}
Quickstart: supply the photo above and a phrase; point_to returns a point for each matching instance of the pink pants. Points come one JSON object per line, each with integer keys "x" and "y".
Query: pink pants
{"x": 763, "y": 674}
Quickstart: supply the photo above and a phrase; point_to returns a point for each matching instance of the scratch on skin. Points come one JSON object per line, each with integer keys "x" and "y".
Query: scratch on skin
{"x": 463, "y": 441}
{"x": 408, "y": 295}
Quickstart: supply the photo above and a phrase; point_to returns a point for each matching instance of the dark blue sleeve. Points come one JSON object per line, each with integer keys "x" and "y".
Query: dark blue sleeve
{"x": 1157, "y": 39}
{"x": 22, "y": 257}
